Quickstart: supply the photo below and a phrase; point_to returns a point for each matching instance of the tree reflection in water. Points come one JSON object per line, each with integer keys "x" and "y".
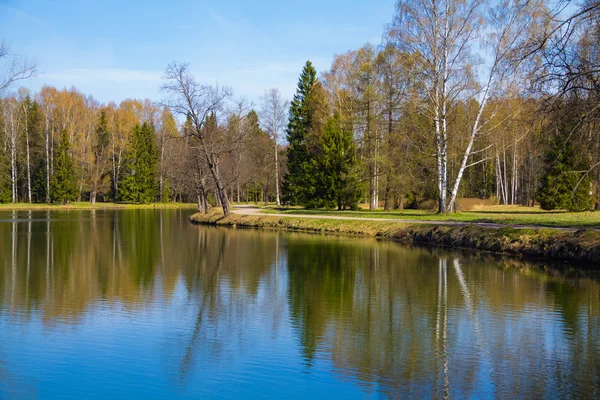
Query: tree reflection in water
{"x": 397, "y": 320}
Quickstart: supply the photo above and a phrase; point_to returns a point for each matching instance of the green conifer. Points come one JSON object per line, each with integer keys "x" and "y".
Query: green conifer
{"x": 336, "y": 168}
{"x": 63, "y": 184}
{"x": 298, "y": 182}
{"x": 562, "y": 186}
{"x": 139, "y": 181}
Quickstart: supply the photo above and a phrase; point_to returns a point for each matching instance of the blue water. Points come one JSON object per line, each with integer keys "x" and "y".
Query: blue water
{"x": 142, "y": 304}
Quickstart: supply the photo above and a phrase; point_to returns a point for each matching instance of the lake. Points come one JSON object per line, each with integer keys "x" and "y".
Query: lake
{"x": 142, "y": 304}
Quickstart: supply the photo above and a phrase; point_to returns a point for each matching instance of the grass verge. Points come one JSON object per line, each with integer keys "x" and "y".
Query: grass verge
{"x": 582, "y": 246}
{"x": 508, "y": 215}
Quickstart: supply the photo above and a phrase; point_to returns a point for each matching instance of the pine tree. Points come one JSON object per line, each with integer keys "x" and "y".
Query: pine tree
{"x": 298, "y": 182}
{"x": 336, "y": 168}
{"x": 139, "y": 182}
{"x": 561, "y": 186}
{"x": 63, "y": 185}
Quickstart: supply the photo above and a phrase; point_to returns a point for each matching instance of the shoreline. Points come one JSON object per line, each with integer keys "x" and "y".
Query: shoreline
{"x": 581, "y": 246}
{"x": 98, "y": 206}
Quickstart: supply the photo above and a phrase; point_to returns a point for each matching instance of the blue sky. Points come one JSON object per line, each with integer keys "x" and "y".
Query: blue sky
{"x": 115, "y": 50}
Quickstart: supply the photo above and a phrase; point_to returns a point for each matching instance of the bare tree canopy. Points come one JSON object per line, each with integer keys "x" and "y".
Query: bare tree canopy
{"x": 200, "y": 104}
{"x": 14, "y": 67}
{"x": 274, "y": 118}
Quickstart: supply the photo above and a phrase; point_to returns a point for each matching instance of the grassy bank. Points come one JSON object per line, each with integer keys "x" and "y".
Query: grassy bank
{"x": 582, "y": 246}
{"x": 509, "y": 215}
{"x": 89, "y": 206}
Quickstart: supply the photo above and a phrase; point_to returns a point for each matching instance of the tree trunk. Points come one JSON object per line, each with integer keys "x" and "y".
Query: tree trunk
{"x": 47, "y": 167}
{"x": 13, "y": 171}
{"x": 27, "y": 157}
{"x": 199, "y": 202}
{"x": 205, "y": 201}
{"x": 504, "y": 175}
{"x": 13, "y": 157}
{"x": 440, "y": 146}
{"x": 277, "y": 196}
{"x": 162, "y": 161}
{"x": 114, "y": 179}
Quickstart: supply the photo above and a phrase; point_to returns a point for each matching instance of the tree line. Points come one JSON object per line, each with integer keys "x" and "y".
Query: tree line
{"x": 462, "y": 99}
{"x": 61, "y": 146}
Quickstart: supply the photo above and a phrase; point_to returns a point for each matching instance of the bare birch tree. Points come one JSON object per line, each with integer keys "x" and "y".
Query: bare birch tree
{"x": 274, "y": 119}
{"x": 12, "y": 122}
{"x": 441, "y": 34}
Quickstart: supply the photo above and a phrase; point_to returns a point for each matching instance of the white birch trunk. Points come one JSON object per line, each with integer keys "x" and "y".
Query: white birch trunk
{"x": 277, "y": 197}
{"x": 27, "y": 159}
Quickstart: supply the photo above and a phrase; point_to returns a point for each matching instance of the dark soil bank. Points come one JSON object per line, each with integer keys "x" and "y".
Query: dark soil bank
{"x": 582, "y": 246}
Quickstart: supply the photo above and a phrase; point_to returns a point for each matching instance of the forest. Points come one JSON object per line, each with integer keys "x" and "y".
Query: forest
{"x": 494, "y": 100}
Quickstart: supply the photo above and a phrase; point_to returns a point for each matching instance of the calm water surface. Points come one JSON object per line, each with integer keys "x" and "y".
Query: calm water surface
{"x": 140, "y": 303}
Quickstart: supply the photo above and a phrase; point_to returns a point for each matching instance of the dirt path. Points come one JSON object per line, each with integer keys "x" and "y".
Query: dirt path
{"x": 254, "y": 210}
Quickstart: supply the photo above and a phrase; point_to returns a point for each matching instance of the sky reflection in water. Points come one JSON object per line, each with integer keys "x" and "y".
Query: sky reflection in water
{"x": 122, "y": 304}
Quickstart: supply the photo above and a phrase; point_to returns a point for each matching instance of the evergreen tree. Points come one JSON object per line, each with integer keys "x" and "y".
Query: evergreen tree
{"x": 139, "y": 182}
{"x": 37, "y": 159}
{"x": 299, "y": 182}
{"x": 38, "y": 180}
{"x": 4, "y": 179}
{"x": 561, "y": 186}
{"x": 63, "y": 185}
{"x": 336, "y": 168}
{"x": 100, "y": 159}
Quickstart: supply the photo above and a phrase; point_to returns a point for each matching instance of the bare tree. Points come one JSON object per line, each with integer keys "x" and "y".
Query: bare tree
{"x": 25, "y": 101}
{"x": 12, "y": 126}
{"x": 508, "y": 24}
{"x": 46, "y": 98}
{"x": 14, "y": 67}
{"x": 274, "y": 118}
{"x": 196, "y": 101}
{"x": 441, "y": 34}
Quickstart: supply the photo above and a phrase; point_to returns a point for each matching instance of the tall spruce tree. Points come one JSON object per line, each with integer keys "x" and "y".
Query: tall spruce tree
{"x": 139, "y": 182}
{"x": 100, "y": 159}
{"x": 336, "y": 169}
{"x": 562, "y": 187}
{"x": 63, "y": 185}
{"x": 298, "y": 182}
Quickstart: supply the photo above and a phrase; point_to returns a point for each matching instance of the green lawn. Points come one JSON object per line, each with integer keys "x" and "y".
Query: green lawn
{"x": 89, "y": 206}
{"x": 518, "y": 215}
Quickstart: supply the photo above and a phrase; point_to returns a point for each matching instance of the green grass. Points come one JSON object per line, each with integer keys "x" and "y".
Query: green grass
{"x": 89, "y": 206}
{"x": 510, "y": 215}
{"x": 582, "y": 246}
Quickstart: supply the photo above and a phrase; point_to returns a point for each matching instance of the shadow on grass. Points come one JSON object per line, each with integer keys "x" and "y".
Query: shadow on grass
{"x": 528, "y": 212}
{"x": 358, "y": 213}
